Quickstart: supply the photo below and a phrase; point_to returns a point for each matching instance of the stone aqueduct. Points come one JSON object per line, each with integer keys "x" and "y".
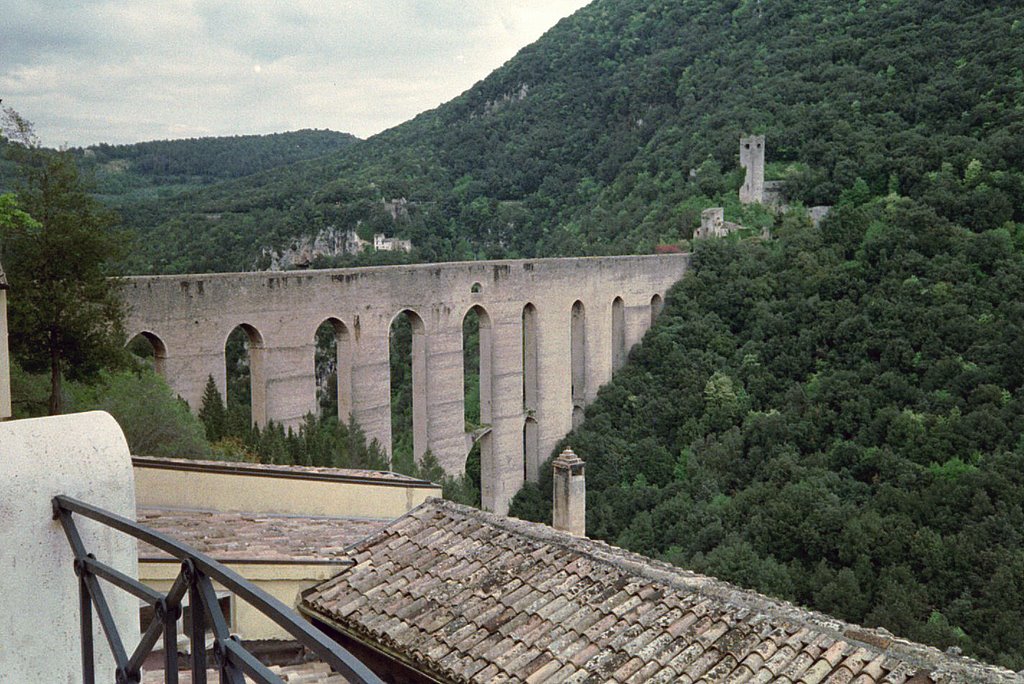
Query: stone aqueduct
{"x": 551, "y": 333}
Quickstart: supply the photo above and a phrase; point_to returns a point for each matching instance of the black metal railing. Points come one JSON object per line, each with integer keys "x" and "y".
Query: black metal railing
{"x": 198, "y": 571}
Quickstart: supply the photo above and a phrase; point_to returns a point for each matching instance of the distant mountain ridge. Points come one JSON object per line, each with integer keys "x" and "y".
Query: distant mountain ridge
{"x": 214, "y": 158}
{"x": 613, "y": 131}
{"x": 135, "y": 172}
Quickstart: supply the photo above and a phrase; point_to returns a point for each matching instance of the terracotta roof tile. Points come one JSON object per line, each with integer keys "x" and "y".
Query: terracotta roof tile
{"x": 681, "y": 625}
{"x": 489, "y": 673}
{"x": 644, "y": 674}
{"x": 257, "y": 537}
{"x": 484, "y": 598}
{"x": 705, "y": 662}
{"x": 801, "y": 662}
{"x": 567, "y": 653}
{"x": 606, "y": 663}
{"x": 583, "y": 619}
{"x": 545, "y": 673}
{"x": 685, "y": 658}
{"x": 662, "y": 677}
{"x": 526, "y": 662}
{"x": 577, "y": 677}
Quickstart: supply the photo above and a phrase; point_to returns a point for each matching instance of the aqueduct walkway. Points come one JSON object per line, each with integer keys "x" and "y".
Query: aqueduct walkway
{"x": 551, "y": 333}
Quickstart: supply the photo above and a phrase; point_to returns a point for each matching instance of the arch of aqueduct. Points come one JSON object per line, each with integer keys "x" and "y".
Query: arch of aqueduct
{"x": 552, "y": 331}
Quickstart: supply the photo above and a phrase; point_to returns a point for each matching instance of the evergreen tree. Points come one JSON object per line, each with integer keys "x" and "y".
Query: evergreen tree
{"x": 67, "y": 316}
{"x": 212, "y": 413}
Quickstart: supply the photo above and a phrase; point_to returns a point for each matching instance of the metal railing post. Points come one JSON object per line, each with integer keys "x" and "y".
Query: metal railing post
{"x": 197, "y": 627}
{"x": 85, "y": 621}
{"x": 168, "y": 614}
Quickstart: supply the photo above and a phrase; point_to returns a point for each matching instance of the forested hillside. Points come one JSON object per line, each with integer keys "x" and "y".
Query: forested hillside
{"x": 126, "y": 169}
{"x": 161, "y": 169}
{"x": 834, "y": 417}
{"x": 616, "y": 128}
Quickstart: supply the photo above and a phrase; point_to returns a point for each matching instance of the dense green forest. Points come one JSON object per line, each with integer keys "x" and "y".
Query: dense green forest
{"x": 157, "y": 171}
{"x": 611, "y": 133}
{"x": 835, "y": 417}
{"x": 201, "y": 161}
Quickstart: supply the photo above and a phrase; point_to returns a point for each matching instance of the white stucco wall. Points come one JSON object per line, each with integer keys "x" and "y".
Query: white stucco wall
{"x": 83, "y": 456}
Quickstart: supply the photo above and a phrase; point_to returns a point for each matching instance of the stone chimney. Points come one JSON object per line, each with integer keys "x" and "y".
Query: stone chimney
{"x": 570, "y": 495}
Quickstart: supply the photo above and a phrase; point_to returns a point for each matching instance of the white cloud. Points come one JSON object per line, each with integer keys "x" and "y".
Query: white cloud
{"x": 120, "y": 71}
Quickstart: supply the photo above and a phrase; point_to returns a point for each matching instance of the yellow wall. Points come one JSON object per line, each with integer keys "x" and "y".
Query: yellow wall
{"x": 282, "y": 581}
{"x": 165, "y": 488}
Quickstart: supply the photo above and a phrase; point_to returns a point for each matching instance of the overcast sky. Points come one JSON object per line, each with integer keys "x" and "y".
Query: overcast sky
{"x": 89, "y": 71}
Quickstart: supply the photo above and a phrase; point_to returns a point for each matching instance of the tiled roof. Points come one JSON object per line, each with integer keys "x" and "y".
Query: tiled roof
{"x": 274, "y": 470}
{"x": 468, "y": 596}
{"x": 307, "y": 673}
{"x": 256, "y": 537}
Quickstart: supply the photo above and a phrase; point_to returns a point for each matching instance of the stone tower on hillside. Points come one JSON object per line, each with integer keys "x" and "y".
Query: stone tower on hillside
{"x": 752, "y": 159}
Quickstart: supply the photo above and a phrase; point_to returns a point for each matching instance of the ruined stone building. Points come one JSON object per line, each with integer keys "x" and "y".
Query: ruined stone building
{"x": 756, "y": 190}
{"x": 714, "y": 225}
{"x": 382, "y": 243}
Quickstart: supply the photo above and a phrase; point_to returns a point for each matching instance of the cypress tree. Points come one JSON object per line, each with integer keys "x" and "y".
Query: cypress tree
{"x": 212, "y": 413}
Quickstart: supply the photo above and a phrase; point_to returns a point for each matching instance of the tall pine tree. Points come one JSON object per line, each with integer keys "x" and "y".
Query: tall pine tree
{"x": 212, "y": 413}
{"x": 67, "y": 316}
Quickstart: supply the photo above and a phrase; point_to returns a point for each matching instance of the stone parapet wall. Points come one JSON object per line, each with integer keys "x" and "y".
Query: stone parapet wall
{"x": 203, "y": 485}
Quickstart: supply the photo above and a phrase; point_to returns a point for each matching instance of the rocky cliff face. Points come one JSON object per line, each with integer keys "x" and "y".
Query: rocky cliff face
{"x": 300, "y": 253}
